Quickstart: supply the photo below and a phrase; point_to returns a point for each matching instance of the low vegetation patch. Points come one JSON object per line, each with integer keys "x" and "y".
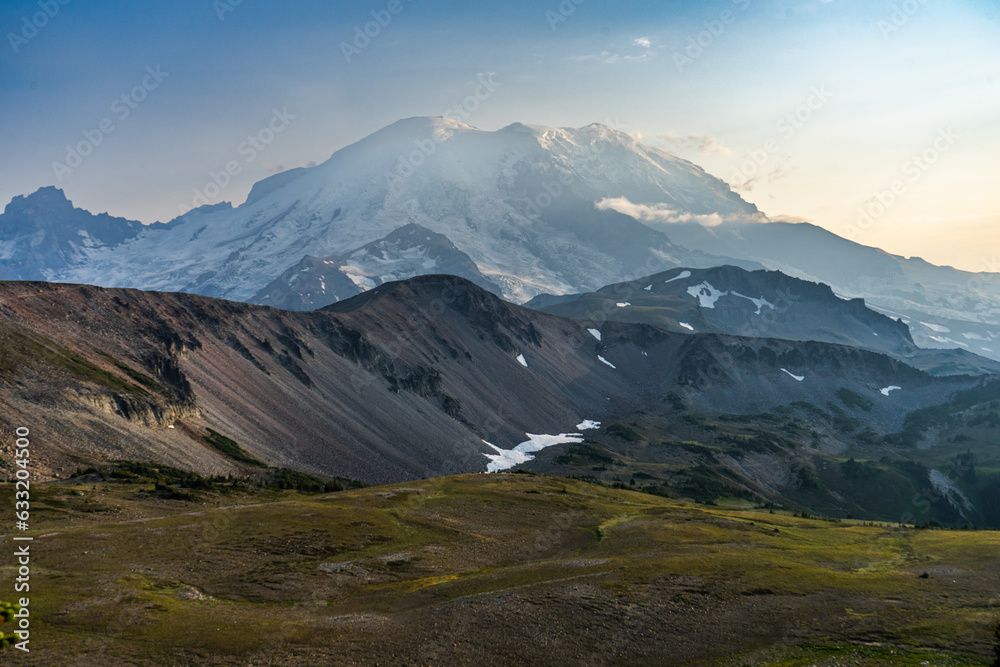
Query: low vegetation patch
{"x": 173, "y": 484}
{"x": 489, "y": 569}
{"x": 853, "y": 400}
{"x": 585, "y": 453}
{"x": 7, "y": 611}
{"x": 141, "y": 378}
{"x": 626, "y": 433}
{"x": 231, "y": 448}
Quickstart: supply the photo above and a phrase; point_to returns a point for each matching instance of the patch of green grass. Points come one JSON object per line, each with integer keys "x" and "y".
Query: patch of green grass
{"x": 141, "y": 378}
{"x": 51, "y": 353}
{"x": 707, "y": 484}
{"x": 695, "y": 447}
{"x": 165, "y": 478}
{"x": 285, "y": 478}
{"x": 231, "y": 448}
{"x": 275, "y": 581}
{"x": 19, "y": 351}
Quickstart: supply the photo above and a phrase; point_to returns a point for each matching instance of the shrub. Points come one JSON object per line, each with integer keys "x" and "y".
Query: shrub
{"x": 624, "y": 432}
{"x": 853, "y": 400}
{"x": 7, "y": 611}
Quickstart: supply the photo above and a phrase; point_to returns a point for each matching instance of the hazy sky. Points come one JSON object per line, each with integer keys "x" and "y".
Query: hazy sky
{"x": 830, "y": 108}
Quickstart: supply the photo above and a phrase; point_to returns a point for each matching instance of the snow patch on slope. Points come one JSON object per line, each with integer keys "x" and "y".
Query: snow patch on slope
{"x": 799, "y": 378}
{"x": 508, "y": 458}
{"x": 679, "y": 276}
{"x": 760, "y": 303}
{"x": 706, "y": 294}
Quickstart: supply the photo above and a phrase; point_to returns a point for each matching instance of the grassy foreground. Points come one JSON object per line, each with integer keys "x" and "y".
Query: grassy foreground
{"x": 489, "y": 569}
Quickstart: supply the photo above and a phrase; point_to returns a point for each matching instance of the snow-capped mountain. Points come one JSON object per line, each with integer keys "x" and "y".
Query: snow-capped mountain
{"x": 520, "y": 202}
{"x": 43, "y": 232}
{"x": 411, "y": 250}
{"x": 533, "y": 209}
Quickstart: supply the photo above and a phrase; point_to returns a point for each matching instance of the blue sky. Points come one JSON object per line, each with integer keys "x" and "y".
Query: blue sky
{"x": 877, "y": 120}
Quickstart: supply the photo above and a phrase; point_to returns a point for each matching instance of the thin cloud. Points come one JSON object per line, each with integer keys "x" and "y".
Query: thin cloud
{"x": 792, "y": 219}
{"x": 745, "y": 186}
{"x": 662, "y": 213}
{"x": 706, "y": 144}
{"x": 613, "y": 57}
{"x": 276, "y": 168}
{"x": 779, "y": 170}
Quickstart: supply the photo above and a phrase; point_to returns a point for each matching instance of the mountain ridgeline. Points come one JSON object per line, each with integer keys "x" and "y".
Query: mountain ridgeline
{"x": 413, "y": 379}
{"x": 523, "y": 211}
{"x": 767, "y": 304}
{"x": 946, "y": 308}
{"x": 677, "y": 341}
{"x": 519, "y": 202}
{"x": 320, "y": 281}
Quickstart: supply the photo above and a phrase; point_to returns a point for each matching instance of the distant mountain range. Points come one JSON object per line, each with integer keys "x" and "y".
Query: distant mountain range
{"x": 767, "y": 304}
{"x": 945, "y": 307}
{"x": 519, "y": 202}
{"x": 522, "y": 211}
